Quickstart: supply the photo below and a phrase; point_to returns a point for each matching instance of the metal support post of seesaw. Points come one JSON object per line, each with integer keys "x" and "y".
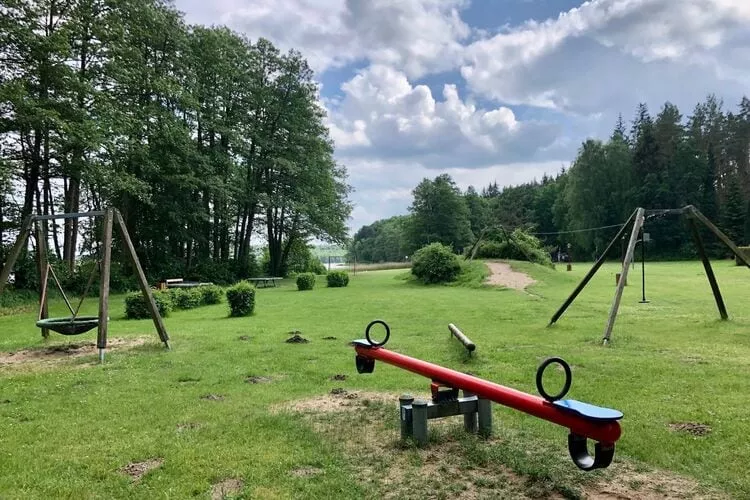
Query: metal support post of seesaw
{"x": 414, "y": 414}
{"x": 584, "y": 421}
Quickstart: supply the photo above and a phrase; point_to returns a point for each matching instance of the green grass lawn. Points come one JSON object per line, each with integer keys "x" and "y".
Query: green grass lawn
{"x": 68, "y": 428}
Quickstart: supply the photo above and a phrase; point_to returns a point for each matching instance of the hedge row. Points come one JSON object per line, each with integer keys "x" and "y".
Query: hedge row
{"x": 173, "y": 298}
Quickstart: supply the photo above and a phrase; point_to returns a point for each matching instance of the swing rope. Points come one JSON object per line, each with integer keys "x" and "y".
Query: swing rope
{"x": 74, "y": 313}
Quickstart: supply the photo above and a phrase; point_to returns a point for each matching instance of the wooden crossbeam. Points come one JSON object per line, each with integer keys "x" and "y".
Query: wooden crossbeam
{"x": 723, "y": 237}
{"x": 77, "y": 215}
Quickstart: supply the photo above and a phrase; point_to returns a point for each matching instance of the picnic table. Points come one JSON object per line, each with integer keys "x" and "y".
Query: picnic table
{"x": 265, "y": 281}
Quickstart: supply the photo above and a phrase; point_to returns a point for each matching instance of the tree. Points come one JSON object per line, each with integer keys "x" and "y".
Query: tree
{"x": 439, "y": 214}
{"x": 478, "y": 210}
{"x": 733, "y": 211}
{"x": 597, "y": 191}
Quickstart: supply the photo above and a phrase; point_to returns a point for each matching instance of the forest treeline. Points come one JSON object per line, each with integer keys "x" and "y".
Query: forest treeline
{"x": 210, "y": 144}
{"x": 664, "y": 162}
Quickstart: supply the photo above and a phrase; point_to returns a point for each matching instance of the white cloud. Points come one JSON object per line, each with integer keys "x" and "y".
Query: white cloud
{"x": 416, "y": 36}
{"x": 610, "y": 54}
{"x": 383, "y": 115}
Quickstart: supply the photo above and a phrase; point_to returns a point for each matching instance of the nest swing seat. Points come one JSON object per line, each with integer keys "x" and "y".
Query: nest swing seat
{"x": 68, "y": 325}
{"x": 71, "y": 325}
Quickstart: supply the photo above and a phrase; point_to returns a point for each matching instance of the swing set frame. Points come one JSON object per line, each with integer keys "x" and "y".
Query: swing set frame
{"x": 636, "y": 220}
{"x": 110, "y": 215}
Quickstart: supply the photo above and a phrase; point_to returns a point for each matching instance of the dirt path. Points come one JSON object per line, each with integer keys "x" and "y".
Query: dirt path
{"x": 502, "y": 274}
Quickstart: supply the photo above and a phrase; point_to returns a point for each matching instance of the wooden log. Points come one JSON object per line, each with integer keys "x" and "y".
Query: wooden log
{"x": 101, "y": 339}
{"x": 591, "y": 272}
{"x": 41, "y": 251}
{"x": 639, "y": 215}
{"x": 709, "y": 270}
{"x": 723, "y": 237}
{"x": 23, "y": 236}
{"x": 142, "y": 283}
{"x": 467, "y": 343}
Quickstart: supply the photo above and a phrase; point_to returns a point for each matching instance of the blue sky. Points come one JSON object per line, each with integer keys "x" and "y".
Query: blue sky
{"x": 490, "y": 90}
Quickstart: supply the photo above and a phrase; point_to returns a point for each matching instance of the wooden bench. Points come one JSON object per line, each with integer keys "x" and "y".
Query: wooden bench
{"x": 265, "y": 281}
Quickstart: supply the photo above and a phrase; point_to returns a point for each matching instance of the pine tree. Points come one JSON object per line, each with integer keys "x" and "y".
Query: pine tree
{"x": 733, "y": 211}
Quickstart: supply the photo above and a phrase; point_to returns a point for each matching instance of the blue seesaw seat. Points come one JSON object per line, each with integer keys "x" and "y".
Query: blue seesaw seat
{"x": 588, "y": 411}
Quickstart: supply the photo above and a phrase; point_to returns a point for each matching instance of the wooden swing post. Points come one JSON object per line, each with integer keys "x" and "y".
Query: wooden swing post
{"x": 639, "y": 215}
{"x": 101, "y": 337}
{"x": 42, "y": 263}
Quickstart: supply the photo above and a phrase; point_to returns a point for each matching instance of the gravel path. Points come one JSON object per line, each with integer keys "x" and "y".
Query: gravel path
{"x": 502, "y": 274}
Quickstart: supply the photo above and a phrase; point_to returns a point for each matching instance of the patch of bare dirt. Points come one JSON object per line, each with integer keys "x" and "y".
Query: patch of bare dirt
{"x": 695, "y": 359}
{"x": 626, "y": 482}
{"x": 61, "y": 352}
{"x": 306, "y": 471}
{"x": 244, "y": 337}
{"x": 136, "y": 470}
{"x": 257, "y": 379}
{"x": 502, "y": 274}
{"x": 692, "y": 428}
{"x": 366, "y": 430}
{"x": 339, "y": 376}
{"x": 296, "y": 339}
{"x": 213, "y": 397}
{"x": 330, "y": 403}
{"x": 187, "y": 426}
{"x": 329, "y": 338}
{"x": 226, "y": 488}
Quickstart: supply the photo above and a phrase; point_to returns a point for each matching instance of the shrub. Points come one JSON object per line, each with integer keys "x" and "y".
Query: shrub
{"x": 305, "y": 281}
{"x": 435, "y": 263}
{"x": 520, "y": 246}
{"x": 337, "y": 279}
{"x": 315, "y": 266}
{"x": 185, "y": 298}
{"x": 241, "y": 299}
{"x": 210, "y": 294}
{"x": 136, "y": 308}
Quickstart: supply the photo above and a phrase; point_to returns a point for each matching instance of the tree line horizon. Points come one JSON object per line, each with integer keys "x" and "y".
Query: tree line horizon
{"x": 669, "y": 161}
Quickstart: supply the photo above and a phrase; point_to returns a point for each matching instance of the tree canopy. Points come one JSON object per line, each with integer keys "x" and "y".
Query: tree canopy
{"x": 206, "y": 141}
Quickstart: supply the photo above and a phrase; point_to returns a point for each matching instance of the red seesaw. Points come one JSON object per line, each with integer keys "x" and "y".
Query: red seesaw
{"x": 583, "y": 420}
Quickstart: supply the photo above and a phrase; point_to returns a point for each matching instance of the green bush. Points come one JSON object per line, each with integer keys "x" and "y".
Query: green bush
{"x": 305, "y": 281}
{"x": 241, "y": 299}
{"x": 315, "y": 266}
{"x": 520, "y": 246}
{"x": 210, "y": 294}
{"x": 337, "y": 279}
{"x": 136, "y": 308}
{"x": 185, "y": 298}
{"x": 435, "y": 263}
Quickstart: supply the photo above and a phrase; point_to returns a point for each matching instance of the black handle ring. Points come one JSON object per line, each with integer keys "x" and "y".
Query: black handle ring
{"x": 387, "y": 332}
{"x": 540, "y": 373}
